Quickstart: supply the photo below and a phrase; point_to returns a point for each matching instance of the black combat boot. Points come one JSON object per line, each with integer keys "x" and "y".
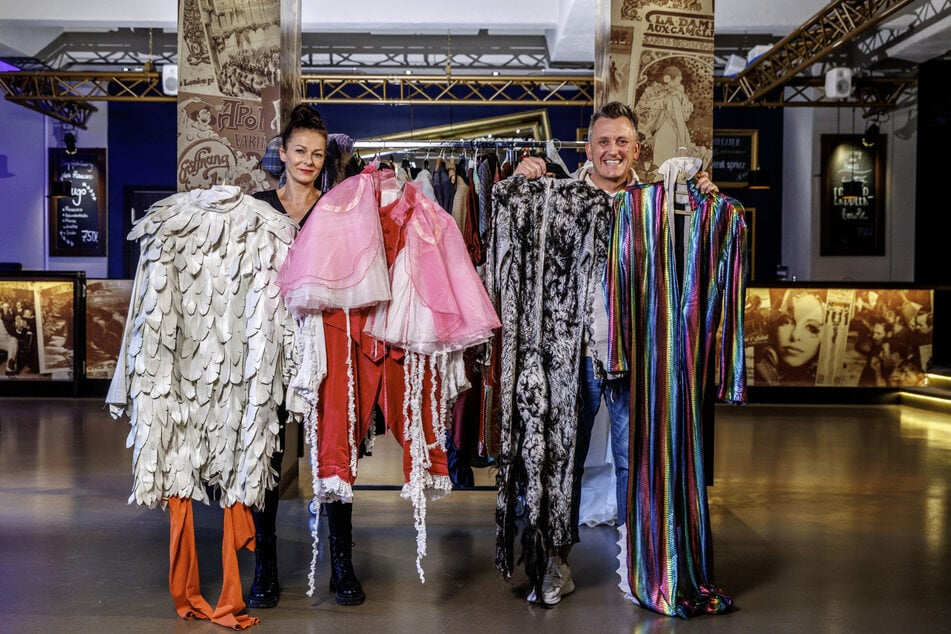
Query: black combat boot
{"x": 265, "y": 590}
{"x": 343, "y": 581}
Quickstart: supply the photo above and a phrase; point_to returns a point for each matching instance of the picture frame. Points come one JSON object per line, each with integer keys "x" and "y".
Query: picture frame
{"x": 107, "y": 308}
{"x": 137, "y": 201}
{"x": 852, "y": 226}
{"x": 735, "y": 154}
{"x": 78, "y": 225}
{"x": 41, "y": 333}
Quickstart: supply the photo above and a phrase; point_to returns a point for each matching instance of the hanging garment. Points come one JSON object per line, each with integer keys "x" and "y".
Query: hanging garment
{"x": 208, "y": 348}
{"x": 439, "y": 303}
{"x": 401, "y": 351}
{"x": 338, "y": 262}
{"x": 460, "y": 198}
{"x": 547, "y": 234}
{"x": 470, "y": 226}
{"x": 207, "y": 352}
{"x": 444, "y": 189}
{"x": 486, "y": 177}
{"x": 664, "y": 333}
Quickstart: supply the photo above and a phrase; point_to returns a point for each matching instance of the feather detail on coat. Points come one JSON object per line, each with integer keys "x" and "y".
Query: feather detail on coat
{"x": 208, "y": 350}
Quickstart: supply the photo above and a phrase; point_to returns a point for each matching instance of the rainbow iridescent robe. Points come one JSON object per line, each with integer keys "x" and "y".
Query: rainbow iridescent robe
{"x": 664, "y": 333}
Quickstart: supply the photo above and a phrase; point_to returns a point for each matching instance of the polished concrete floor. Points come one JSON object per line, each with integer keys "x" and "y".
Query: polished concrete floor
{"x": 825, "y": 519}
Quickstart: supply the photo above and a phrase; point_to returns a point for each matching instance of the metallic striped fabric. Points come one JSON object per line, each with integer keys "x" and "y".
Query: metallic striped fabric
{"x": 665, "y": 333}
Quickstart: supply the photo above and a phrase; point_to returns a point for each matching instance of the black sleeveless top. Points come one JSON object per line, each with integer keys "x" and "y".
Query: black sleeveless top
{"x": 270, "y": 197}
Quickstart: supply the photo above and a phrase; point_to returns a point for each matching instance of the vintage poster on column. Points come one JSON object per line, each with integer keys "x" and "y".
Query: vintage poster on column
{"x": 229, "y": 91}
{"x": 660, "y": 62}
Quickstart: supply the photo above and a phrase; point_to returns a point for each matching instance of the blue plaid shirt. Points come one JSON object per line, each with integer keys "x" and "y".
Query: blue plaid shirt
{"x": 271, "y": 161}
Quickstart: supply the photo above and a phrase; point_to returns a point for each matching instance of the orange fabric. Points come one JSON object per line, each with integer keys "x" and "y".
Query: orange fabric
{"x": 183, "y": 578}
{"x": 238, "y": 534}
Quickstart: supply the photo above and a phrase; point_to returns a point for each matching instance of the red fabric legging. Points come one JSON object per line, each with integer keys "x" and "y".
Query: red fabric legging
{"x": 378, "y": 379}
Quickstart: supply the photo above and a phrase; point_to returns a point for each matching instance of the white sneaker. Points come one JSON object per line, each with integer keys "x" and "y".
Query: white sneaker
{"x": 556, "y": 583}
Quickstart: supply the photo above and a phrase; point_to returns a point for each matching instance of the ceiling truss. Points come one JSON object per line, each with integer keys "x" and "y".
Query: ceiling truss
{"x": 839, "y": 23}
{"x": 512, "y": 70}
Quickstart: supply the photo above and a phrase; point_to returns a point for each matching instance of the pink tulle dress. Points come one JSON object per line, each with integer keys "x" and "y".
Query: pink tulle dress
{"x": 338, "y": 260}
{"x": 439, "y": 303}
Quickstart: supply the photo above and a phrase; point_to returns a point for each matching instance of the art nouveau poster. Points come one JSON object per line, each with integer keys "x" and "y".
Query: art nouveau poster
{"x": 658, "y": 58}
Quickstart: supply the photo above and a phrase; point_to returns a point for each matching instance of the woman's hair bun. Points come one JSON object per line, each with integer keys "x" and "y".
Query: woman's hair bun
{"x": 303, "y": 112}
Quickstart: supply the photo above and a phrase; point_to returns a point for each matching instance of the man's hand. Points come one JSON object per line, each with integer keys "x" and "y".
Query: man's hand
{"x": 531, "y": 167}
{"x": 705, "y": 185}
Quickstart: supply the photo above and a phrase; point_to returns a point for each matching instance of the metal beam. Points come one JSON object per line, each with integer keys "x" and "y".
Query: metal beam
{"x": 66, "y": 96}
{"x": 550, "y": 90}
{"x": 839, "y": 22}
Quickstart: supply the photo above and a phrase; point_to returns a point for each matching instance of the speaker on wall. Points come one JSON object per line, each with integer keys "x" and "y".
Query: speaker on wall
{"x": 838, "y": 82}
{"x": 170, "y": 79}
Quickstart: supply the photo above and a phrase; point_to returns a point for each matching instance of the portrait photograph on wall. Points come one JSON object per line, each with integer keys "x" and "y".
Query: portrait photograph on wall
{"x": 838, "y": 337}
{"x": 107, "y": 304}
{"x": 853, "y": 198}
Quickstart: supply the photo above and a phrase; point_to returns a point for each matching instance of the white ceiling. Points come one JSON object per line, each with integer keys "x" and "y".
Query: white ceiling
{"x": 26, "y": 27}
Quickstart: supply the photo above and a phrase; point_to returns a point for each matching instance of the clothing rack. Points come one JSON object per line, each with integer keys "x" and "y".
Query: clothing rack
{"x": 464, "y": 144}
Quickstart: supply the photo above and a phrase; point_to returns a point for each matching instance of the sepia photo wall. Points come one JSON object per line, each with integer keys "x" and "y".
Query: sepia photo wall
{"x": 657, "y": 56}
{"x": 838, "y": 337}
{"x": 107, "y": 307}
{"x": 37, "y": 330}
{"x": 234, "y": 87}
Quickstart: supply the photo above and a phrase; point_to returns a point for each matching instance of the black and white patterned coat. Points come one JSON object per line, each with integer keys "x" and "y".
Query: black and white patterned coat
{"x": 547, "y": 234}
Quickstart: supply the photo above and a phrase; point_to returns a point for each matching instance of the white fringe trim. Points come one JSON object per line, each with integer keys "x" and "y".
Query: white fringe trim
{"x": 310, "y": 425}
{"x": 625, "y": 583}
{"x": 422, "y": 485}
{"x": 351, "y": 401}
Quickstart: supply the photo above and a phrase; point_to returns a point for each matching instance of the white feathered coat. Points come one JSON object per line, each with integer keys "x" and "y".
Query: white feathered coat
{"x": 208, "y": 348}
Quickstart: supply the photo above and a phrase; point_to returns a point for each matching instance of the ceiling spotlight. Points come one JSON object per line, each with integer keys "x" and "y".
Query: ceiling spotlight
{"x": 871, "y": 135}
{"x": 69, "y": 140}
{"x": 61, "y": 189}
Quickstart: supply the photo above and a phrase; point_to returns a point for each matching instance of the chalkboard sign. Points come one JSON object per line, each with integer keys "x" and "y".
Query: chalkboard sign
{"x": 852, "y": 224}
{"x": 78, "y": 222}
{"x": 734, "y": 155}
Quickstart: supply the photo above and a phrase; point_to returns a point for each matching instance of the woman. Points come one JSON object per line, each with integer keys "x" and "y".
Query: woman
{"x": 664, "y": 109}
{"x": 795, "y": 333}
{"x": 303, "y": 151}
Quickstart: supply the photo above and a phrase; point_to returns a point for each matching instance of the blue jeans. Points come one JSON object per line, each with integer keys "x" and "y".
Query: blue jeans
{"x": 617, "y": 396}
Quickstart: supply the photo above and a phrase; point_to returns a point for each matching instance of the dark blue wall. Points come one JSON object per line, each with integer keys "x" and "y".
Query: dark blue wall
{"x": 143, "y": 153}
{"x": 766, "y": 203}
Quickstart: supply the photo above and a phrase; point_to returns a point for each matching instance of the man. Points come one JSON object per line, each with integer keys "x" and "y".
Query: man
{"x": 612, "y": 147}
